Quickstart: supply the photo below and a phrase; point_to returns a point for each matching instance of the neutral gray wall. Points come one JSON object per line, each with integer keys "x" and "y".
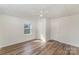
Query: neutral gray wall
{"x": 12, "y": 30}
{"x": 41, "y": 29}
{"x": 48, "y": 29}
{"x": 66, "y": 29}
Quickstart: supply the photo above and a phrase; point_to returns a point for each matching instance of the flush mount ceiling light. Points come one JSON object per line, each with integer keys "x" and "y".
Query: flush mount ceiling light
{"x": 43, "y": 13}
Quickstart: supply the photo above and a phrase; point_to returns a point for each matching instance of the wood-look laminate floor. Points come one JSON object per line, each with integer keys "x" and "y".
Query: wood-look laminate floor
{"x": 37, "y": 47}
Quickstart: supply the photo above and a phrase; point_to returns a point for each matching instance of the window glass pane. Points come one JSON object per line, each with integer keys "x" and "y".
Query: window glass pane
{"x": 26, "y": 31}
{"x": 27, "y": 26}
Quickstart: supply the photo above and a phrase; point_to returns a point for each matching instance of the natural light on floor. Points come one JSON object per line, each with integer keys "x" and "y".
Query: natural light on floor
{"x": 43, "y": 38}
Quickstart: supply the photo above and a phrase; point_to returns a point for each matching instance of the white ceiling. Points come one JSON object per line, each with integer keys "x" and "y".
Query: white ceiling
{"x": 33, "y": 10}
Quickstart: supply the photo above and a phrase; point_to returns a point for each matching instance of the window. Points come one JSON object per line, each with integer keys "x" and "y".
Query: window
{"x": 27, "y": 29}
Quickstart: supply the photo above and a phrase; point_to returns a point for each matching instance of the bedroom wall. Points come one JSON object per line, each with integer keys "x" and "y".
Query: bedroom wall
{"x": 65, "y": 29}
{"x": 1, "y": 29}
{"x": 48, "y": 29}
{"x": 41, "y": 29}
{"x": 12, "y": 30}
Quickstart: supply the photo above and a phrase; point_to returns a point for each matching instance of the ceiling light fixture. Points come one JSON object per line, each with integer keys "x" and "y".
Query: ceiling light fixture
{"x": 43, "y": 13}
